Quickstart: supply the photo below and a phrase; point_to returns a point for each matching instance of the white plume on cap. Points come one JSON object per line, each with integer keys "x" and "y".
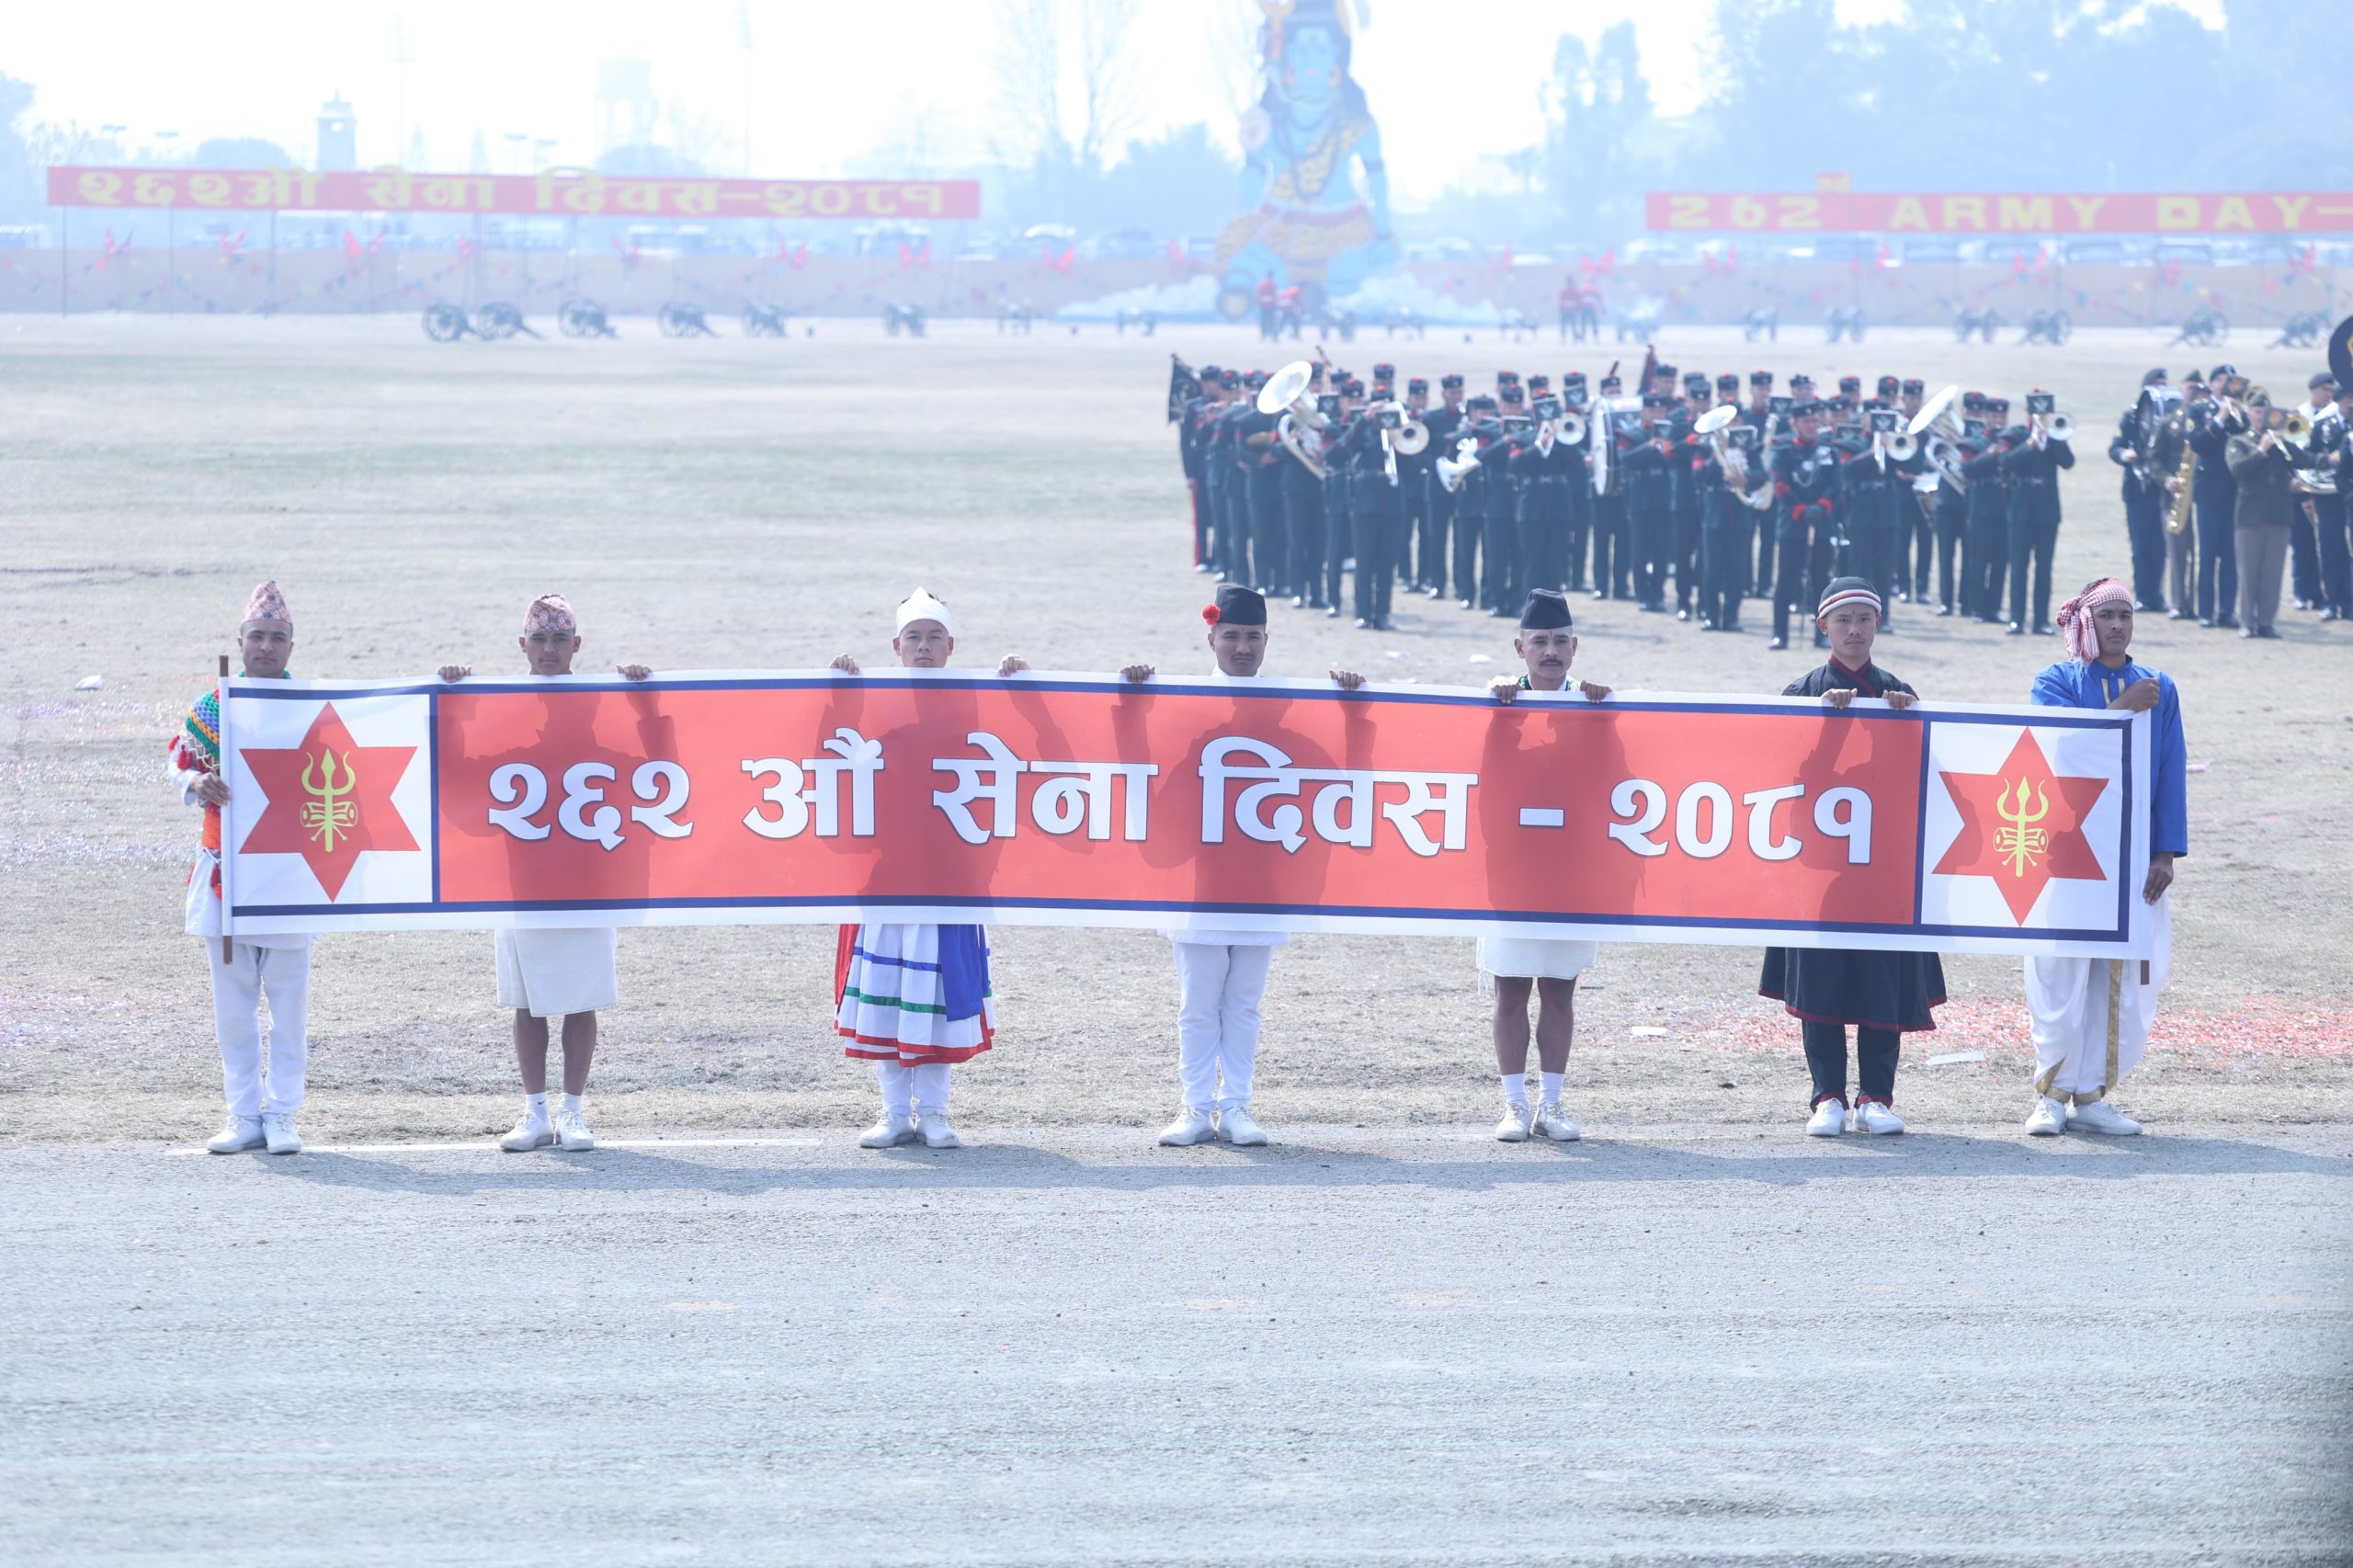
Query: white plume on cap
{"x": 921, "y": 605}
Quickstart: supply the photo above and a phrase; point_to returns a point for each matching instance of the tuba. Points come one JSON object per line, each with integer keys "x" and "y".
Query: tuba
{"x": 1287, "y": 431}
{"x": 1286, "y": 392}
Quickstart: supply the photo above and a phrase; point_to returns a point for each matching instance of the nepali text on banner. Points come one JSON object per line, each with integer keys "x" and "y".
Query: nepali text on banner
{"x": 1199, "y": 805}
{"x": 553, "y": 193}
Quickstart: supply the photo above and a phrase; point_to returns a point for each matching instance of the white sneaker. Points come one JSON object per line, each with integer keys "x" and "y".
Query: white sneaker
{"x": 889, "y": 1132}
{"x": 571, "y": 1130}
{"x": 2102, "y": 1116}
{"x": 1828, "y": 1121}
{"x": 243, "y": 1132}
{"x": 1869, "y": 1116}
{"x": 1236, "y": 1128}
{"x": 2047, "y": 1119}
{"x": 1552, "y": 1123}
{"x": 278, "y": 1135}
{"x": 935, "y": 1133}
{"x": 1193, "y": 1127}
{"x": 533, "y": 1131}
{"x": 1516, "y": 1120}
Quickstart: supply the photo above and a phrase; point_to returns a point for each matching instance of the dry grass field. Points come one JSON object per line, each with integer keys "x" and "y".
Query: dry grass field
{"x": 737, "y": 504}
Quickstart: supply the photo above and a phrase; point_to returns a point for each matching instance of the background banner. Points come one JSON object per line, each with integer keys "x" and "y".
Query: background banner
{"x": 1084, "y": 800}
{"x": 555, "y": 193}
{"x": 1977, "y": 213}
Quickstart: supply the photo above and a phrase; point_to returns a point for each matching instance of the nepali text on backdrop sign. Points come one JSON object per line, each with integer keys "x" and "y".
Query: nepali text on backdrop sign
{"x": 1085, "y": 801}
{"x": 554, "y": 193}
{"x": 1843, "y": 212}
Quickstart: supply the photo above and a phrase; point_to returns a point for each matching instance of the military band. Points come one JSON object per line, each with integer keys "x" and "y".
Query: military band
{"x": 1613, "y": 488}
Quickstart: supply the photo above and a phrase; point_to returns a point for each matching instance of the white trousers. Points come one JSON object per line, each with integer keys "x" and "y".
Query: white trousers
{"x": 906, "y": 1090}
{"x": 282, "y": 975}
{"x": 1217, "y": 1021}
{"x": 2091, "y": 1017}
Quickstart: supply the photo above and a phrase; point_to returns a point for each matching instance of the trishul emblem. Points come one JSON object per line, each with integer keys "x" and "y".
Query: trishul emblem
{"x": 328, "y": 811}
{"x": 2018, "y": 840}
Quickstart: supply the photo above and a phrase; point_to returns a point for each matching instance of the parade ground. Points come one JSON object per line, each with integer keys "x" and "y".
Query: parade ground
{"x": 728, "y": 1336}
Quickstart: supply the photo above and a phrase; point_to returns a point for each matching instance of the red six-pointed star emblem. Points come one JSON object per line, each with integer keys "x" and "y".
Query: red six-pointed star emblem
{"x": 329, "y": 800}
{"x": 2023, "y": 826}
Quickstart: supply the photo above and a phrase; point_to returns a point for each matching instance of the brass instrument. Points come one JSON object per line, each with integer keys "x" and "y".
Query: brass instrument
{"x": 2059, "y": 427}
{"x": 2296, "y": 430}
{"x": 1287, "y": 430}
{"x": 1286, "y": 392}
{"x": 2183, "y": 477}
{"x": 1451, "y": 470}
{"x": 1732, "y": 459}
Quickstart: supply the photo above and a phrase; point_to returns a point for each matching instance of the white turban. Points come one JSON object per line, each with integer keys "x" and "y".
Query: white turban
{"x": 921, "y": 605}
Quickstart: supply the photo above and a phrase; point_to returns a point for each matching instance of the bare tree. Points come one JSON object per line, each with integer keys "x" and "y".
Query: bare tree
{"x": 1069, "y": 83}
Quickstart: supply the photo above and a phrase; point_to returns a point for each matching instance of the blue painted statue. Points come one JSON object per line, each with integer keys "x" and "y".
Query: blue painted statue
{"x": 1315, "y": 192}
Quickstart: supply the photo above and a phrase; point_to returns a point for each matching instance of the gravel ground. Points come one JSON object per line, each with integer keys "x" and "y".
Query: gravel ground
{"x": 1668, "y": 1345}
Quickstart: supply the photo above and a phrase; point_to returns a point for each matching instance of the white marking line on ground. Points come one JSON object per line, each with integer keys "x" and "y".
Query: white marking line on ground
{"x": 1544, "y": 816}
{"x": 491, "y": 1146}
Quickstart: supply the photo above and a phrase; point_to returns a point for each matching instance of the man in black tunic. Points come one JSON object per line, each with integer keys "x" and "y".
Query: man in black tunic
{"x": 1444, "y": 422}
{"x": 1883, "y": 995}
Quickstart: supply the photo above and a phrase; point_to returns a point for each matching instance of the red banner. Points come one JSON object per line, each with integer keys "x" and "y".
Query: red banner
{"x": 1849, "y": 212}
{"x": 557, "y": 193}
{"x": 1085, "y": 801}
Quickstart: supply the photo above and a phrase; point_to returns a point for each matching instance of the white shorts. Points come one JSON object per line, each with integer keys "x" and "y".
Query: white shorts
{"x": 1536, "y": 958}
{"x": 554, "y": 972}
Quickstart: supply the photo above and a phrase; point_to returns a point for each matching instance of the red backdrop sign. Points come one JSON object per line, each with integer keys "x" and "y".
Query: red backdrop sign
{"x": 1085, "y": 801}
{"x": 1844, "y": 213}
{"x": 557, "y": 193}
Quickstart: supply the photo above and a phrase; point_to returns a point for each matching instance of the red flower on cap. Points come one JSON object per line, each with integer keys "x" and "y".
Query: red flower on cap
{"x": 1209, "y": 614}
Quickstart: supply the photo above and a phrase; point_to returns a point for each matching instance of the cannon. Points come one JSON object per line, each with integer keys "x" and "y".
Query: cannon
{"x": 580, "y": 317}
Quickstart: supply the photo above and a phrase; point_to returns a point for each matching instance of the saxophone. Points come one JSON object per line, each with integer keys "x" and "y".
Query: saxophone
{"x": 2178, "y": 513}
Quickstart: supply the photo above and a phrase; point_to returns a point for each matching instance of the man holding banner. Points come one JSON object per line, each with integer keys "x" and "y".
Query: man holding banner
{"x": 1221, "y": 974}
{"x": 250, "y": 969}
{"x": 1883, "y": 995}
{"x": 2091, "y": 1017}
{"x": 1549, "y": 966}
{"x": 570, "y": 974}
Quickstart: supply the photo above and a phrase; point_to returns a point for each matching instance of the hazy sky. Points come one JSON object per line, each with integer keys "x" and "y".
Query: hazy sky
{"x": 828, "y": 81}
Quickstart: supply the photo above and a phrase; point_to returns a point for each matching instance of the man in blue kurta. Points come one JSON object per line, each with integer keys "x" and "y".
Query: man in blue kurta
{"x": 2091, "y": 1017}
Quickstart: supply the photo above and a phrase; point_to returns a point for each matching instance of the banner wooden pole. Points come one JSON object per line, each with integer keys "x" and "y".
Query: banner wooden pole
{"x": 228, "y": 952}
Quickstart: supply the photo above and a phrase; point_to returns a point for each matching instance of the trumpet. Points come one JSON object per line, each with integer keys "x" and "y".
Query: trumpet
{"x": 2296, "y": 430}
{"x": 1286, "y": 392}
{"x": 2059, "y": 427}
{"x": 1569, "y": 429}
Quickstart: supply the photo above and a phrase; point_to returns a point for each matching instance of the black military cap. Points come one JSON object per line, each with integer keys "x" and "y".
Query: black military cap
{"x": 1417, "y": 384}
{"x": 1889, "y": 386}
{"x": 1482, "y": 404}
{"x": 1800, "y": 380}
{"x": 2222, "y": 371}
{"x": 1657, "y": 399}
{"x": 1506, "y": 377}
{"x": 1663, "y": 368}
{"x": 1760, "y": 378}
{"x": 1236, "y": 605}
{"x": 1608, "y": 384}
{"x": 1998, "y": 406}
{"x": 1384, "y": 372}
{"x": 1228, "y": 379}
{"x": 1545, "y": 609}
{"x": 1452, "y": 378}
{"x": 1314, "y": 373}
{"x": 2319, "y": 378}
{"x": 1209, "y": 373}
{"x": 1973, "y": 401}
{"x": 1696, "y": 381}
{"x": 1807, "y": 408}
{"x": 1540, "y": 383}
{"x": 1354, "y": 387}
{"x": 1849, "y": 385}
{"x": 2193, "y": 374}
{"x": 1914, "y": 386}
{"x": 2155, "y": 377}
{"x": 1513, "y": 395}
{"x": 1728, "y": 383}
{"x": 1574, "y": 379}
